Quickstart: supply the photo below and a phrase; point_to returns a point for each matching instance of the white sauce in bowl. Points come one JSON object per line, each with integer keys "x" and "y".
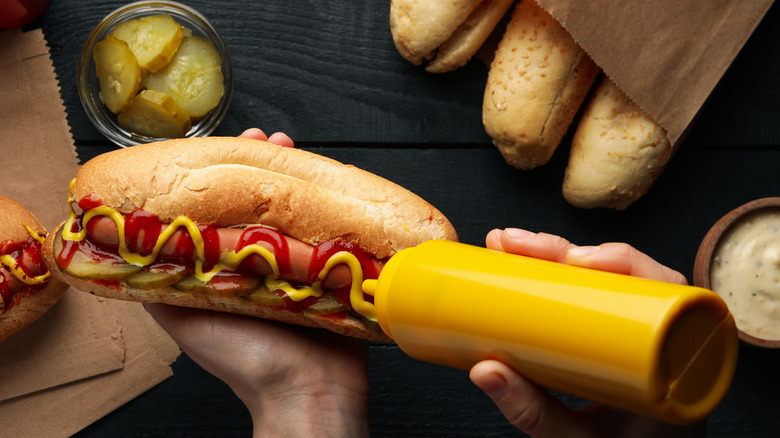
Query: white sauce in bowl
{"x": 746, "y": 272}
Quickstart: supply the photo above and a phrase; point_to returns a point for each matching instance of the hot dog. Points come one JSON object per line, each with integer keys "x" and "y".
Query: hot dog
{"x": 26, "y": 288}
{"x": 241, "y": 226}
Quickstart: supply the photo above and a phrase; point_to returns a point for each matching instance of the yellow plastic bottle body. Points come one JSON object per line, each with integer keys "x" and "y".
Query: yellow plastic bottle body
{"x": 659, "y": 349}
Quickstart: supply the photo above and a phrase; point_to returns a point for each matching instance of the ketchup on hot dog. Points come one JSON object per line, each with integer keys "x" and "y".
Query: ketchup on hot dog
{"x": 22, "y": 271}
{"x": 298, "y": 272}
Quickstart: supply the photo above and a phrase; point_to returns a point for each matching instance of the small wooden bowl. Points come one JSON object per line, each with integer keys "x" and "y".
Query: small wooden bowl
{"x": 702, "y": 264}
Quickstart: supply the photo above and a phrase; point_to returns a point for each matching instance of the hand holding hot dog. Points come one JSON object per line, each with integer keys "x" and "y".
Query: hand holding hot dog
{"x": 536, "y": 411}
{"x": 238, "y": 225}
{"x": 277, "y": 369}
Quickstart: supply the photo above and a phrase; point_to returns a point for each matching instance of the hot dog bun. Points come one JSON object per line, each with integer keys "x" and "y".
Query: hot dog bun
{"x": 445, "y": 33}
{"x": 617, "y": 152}
{"x": 241, "y": 182}
{"x": 29, "y": 303}
{"x": 537, "y": 82}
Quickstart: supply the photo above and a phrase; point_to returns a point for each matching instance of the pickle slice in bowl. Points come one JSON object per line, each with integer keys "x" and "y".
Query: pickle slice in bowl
{"x": 118, "y": 73}
{"x": 155, "y": 114}
{"x": 153, "y": 40}
{"x": 193, "y": 77}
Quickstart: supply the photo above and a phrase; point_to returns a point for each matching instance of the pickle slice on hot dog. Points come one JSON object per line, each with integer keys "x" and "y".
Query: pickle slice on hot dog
{"x": 262, "y": 230}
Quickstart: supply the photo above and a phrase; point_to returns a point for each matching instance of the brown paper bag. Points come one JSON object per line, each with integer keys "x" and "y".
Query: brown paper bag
{"x": 86, "y": 356}
{"x": 666, "y": 55}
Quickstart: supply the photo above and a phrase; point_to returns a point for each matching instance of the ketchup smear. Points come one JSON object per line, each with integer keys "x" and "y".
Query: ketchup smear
{"x": 142, "y": 230}
{"x": 27, "y": 253}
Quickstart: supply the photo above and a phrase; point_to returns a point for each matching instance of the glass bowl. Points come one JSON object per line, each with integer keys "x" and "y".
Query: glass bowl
{"x": 89, "y": 86}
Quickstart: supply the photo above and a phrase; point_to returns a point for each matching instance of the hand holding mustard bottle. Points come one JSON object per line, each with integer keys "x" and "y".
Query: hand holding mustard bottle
{"x": 276, "y": 368}
{"x": 536, "y": 411}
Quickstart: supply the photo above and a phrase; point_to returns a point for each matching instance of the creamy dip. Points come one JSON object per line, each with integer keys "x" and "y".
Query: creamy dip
{"x": 746, "y": 272}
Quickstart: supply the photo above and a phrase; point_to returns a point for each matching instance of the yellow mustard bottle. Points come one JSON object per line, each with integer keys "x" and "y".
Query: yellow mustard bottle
{"x": 664, "y": 350}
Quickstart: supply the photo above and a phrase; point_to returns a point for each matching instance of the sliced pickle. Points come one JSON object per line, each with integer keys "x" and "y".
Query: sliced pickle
{"x": 266, "y": 297}
{"x": 153, "y": 40}
{"x": 118, "y": 73}
{"x": 193, "y": 77}
{"x": 155, "y": 114}
{"x": 105, "y": 268}
{"x": 98, "y": 265}
{"x": 328, "y": 304}
{"x": 190, "y": 283}
{"x": 158, "y": 275}
{"x": 225, "y": 284}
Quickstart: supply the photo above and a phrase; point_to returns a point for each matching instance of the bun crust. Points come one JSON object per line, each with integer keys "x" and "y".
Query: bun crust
{"x": 234, "y": 181}
{"x": 617, "y": 152}
{"x": 30, "y": 308}
{"x": 12, "y": 217}
{"x": 536, "y": 84}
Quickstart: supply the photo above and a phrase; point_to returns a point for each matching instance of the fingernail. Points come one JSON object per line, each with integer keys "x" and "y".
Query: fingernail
{"x": 494, "y": 385}
{"x": 583, "y": 251}
{"x": 517, "y": 233}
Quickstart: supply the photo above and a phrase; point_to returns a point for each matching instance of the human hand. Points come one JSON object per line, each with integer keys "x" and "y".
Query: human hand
{"x": 536, "y": 411}
{"x": 279, "y": 138}
{"x": 295, "y": 381}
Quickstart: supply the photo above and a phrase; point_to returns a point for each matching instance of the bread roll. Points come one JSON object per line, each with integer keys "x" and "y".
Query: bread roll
{"x": 537, "y": 82}
{"x": 446, "y": 33}
{"x": 461, "y": 46}
{"x": 617, "y": 152}
{"x": 418, "y": 27}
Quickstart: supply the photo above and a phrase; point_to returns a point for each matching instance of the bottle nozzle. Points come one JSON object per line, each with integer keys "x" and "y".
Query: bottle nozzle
{"x": 369, "y": 287}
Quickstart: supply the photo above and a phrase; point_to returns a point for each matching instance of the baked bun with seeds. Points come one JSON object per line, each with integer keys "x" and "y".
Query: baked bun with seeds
{"x": 537, "y": 82}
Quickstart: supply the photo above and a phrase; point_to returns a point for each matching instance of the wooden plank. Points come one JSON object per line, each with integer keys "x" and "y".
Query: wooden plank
{"x": 327, "y": 74}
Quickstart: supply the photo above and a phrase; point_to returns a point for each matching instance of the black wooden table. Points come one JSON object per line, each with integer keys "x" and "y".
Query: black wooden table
{"x": 327, "y": 74}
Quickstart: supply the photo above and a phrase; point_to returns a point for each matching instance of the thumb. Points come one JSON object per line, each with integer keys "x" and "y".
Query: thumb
{"x": 527, "y": 406}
